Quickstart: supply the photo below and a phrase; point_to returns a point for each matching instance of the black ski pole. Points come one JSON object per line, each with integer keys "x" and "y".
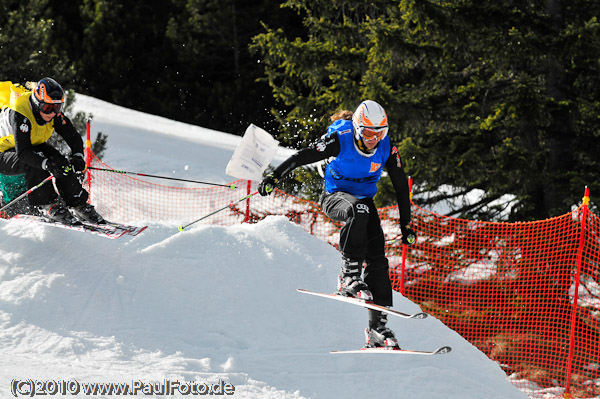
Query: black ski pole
{"x": 25, "y": 194}
{"x": 181, "y": 228}
{"x": 231, "y": 186}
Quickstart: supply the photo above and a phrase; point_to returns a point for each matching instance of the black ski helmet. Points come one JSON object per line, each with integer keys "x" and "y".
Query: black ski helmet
{"x": 48, "y": 96}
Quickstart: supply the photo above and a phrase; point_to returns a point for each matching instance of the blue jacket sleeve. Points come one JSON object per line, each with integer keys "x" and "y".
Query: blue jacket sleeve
{"x": 324, "y": 148}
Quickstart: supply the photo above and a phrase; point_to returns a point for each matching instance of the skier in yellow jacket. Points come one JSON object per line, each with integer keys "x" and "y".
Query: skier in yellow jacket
{"x": 27, "y": 120}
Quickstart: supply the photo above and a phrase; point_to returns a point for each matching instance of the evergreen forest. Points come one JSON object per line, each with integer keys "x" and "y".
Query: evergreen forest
{"x": 497, "y": 95}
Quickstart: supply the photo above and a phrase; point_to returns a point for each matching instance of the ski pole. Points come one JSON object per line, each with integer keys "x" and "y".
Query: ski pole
{"x": 231, "y": 186}
{"x": 393, "y": 240}
{"x": 25, "y": 194}
{"x": 181, "y": 228}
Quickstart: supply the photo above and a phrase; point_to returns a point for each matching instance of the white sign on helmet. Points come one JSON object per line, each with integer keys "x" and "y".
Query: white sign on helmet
{"x": 252, "y": 156}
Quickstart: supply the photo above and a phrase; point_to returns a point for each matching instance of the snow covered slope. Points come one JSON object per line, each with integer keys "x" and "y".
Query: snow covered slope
{"x": 208, "y": 304}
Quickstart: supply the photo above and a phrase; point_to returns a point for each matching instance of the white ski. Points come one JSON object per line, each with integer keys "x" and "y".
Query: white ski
{"x": 368, "y": 305}
{"x": 383, "y": 351}
{"x": 108, "y": 230}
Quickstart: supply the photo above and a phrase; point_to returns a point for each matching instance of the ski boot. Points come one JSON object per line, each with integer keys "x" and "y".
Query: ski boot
{"x": 87, "y": 213}
{"x": 377, "y": 335}
{"x": 58, "y": 213}
{"x": 350, "y": 283}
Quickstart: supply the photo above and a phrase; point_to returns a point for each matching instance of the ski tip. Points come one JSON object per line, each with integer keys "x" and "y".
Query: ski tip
{"x": 420, "y": 315}
{"x": 443, "y": 350}
{"x": 134, "y": 232}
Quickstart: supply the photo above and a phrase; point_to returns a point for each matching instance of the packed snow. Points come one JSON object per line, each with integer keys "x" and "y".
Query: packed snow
{"x": 212, "y": 308}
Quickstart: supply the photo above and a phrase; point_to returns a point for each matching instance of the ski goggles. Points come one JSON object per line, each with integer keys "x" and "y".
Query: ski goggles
{"x": 369, "y": 133}
{"x": 46, "y": 108}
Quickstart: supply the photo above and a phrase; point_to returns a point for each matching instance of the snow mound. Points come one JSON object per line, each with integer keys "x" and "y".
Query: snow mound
{"x": 211, "y": 304}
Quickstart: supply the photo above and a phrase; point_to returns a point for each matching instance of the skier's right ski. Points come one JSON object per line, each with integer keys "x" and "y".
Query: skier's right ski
{"x": 368, "y": 305}
{"x": 386, "y": 351}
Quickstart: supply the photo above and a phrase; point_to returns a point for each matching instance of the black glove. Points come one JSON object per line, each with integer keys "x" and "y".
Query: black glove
{"x": 409, "y": 236}
{"x": 78, "y": 162}
{"x": 58, "y": 167}
{"x": 266, "y": 186}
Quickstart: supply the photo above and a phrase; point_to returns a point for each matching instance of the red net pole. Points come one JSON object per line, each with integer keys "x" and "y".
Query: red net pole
{"x": 88, "y": 155}
{"x": 584, "y": 211}
{"x": 247, "y": 215}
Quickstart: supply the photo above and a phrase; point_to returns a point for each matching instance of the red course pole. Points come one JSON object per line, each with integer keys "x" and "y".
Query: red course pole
{"x": 88, "y": 156}
{"x": 247, "y": 215}
{"x": 584, "y": 212}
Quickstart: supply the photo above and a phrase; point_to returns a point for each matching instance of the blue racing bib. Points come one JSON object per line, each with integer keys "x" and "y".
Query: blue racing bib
{"x": 352, "y": 171}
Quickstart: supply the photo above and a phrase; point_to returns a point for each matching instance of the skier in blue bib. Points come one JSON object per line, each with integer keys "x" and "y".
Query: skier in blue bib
{"x": 361, "y": 148}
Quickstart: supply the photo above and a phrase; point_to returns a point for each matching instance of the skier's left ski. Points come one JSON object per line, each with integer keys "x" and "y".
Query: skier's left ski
{"x": 368, "y": 305}
{"x": 386, "y": 351}
{"x": 108, "y": 230}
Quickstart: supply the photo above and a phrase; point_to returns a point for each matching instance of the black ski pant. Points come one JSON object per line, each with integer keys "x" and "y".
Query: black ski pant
{"x": 68, "y": 186}
{"x": 361, "y": 238}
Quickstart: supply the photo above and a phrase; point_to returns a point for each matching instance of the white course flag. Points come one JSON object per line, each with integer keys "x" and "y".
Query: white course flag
{"x": 252, "y": 156}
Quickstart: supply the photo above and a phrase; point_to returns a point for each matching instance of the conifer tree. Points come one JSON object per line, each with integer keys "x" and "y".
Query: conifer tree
{"x": 492, "y": 95}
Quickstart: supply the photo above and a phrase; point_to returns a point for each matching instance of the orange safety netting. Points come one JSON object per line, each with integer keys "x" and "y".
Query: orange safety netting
{"x": 509, "y": 289}
{"x": 526, "y": 294}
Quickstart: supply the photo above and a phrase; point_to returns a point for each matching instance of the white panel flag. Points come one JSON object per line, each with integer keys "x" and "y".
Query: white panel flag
{"x": 252, "y": 156}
